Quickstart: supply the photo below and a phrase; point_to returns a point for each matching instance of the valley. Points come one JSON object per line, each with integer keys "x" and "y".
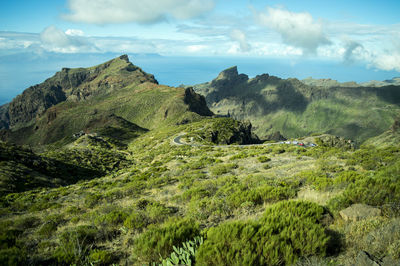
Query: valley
{"x": 104, "y": 166}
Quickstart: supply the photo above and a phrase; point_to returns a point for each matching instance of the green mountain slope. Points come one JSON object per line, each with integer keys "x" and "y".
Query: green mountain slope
{"x": 21, "y": 170}
{"x": 297, "y": 109}
{"x": 115, "y": 94}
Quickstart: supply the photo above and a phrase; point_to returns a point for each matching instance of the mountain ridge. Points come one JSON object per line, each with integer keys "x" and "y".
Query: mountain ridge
{"x": 295, "y": 108}
{"x": 74, "y": 99}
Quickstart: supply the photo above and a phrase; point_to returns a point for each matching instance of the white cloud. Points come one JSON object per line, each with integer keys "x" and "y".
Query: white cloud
{"x": 55, "y": 40}
{"x": 196, "y": 48}
{"x": 296, "y": 29}
{"x": 74, "y": 32}
{"x": 240, "y": 37}
{"x": 388, "y": 61}
{"x": 123, "y": 11}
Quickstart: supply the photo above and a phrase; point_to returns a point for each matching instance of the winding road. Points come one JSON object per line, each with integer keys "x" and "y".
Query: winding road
{"x": 177, "y": 141}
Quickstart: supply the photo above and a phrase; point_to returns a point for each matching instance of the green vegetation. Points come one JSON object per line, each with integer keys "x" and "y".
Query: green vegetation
{"x": 287, "y": 230}
{"x": 186, "y": 254}
{"x": 158, "y": 241}
{"x": 297, "y": 109}
{"x": 142, "y": 210}
{"x": 125, "y": 194}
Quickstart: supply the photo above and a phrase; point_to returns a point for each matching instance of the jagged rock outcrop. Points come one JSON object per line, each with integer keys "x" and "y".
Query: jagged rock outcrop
{"x": 276, "y": 136}
{"x": 327, "y": 140}
{"x": 226, "y": 131}
{"x": 196, "y": 102}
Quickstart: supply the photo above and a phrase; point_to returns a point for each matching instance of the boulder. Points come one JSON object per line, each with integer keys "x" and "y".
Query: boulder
{"x": 358, "y": 212}
{"x": 366, "y": 259}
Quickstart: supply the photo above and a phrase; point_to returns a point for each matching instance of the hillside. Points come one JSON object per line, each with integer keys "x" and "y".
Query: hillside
{"x": 115, "y": 95}
{"x": 144, "y": 174}
{"x": 299, "y": 108}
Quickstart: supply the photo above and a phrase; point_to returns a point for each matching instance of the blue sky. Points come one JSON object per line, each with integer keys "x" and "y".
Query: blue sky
{"x": 365, "y": 33}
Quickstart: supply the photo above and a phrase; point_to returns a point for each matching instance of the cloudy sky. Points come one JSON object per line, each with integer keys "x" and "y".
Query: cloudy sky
{"x": 363, "y": 32}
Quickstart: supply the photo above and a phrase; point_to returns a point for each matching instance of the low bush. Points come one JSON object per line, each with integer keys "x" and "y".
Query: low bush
{"x": 113, "y": 218}
{"x": 100, "y": 257}
{"x": 377, "y": 189}
{"x": 158, "y": 240}
{"x": 75, "y": 244}
{"x": 221, "y": 169}
{"x": 263, "y": 159}
{"x": 136, "y": 220}
{"x": 12, "y": 256}
{"x": 287, "y": 231}
{"x": 259, "y": 195}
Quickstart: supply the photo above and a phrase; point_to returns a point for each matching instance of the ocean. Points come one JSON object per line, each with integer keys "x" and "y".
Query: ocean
{"x": 18, "y": 72}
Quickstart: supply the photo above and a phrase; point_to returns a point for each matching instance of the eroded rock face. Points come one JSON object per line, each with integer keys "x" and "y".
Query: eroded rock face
{"x": 34, "y": 101}
{"x": 196, "y": 102}
{"x": 225, "y": 131}
{"x": 327, "y": 140}
{"x": 396, "y": 125}
{"x": 276, "y": 136}
{"x": 358, "y": 212}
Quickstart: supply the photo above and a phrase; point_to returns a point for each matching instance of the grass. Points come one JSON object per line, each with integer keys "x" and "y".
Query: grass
{"x": 134, "y": 212}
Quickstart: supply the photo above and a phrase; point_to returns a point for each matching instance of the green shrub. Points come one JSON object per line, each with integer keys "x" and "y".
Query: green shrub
{"x": 378, "y": 189}
{"x": 263, "y": 159}
{"x": 47, "y": 229}
{"x": 157, "y": 212}
{"x": 221, "y": 169}
{"x": 113, "y": 218}
{"x": 288, "y": 230}
{"x": 100, "y": 257}
{"x": 202, "y": 209}
{"x": 27, "y": 222}
{"x": 75, "y": 244}
{"x": 259, "y": 195}
{"x": 232, "y": 243}
{"x": 92, "y": 200}
{"x": 158, "y": 240}
{"x": 136, "y": 220}
{"x": 12, "y": 256}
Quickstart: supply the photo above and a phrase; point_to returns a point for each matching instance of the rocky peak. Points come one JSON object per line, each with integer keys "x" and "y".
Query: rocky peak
{"x": 230, "y": 75}
{"x": 226, "y": 81}
{"x": 124, "y": 57}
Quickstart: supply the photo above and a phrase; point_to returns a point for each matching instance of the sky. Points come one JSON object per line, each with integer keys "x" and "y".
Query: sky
{"x": 362, "y": 33}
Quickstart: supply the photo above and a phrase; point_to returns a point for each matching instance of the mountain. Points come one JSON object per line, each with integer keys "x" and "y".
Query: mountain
{"x": 119, "y": 170}
{"x": 115, "y": 94}
{"x": 374, "y": 83}
{"x": 389, "y": 138}
{"x": 299, "y": 108}
{"x": 334, "y": 83}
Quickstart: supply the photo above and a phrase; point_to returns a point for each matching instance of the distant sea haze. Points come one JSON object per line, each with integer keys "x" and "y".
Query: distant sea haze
{"x": 21, "y": 71}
